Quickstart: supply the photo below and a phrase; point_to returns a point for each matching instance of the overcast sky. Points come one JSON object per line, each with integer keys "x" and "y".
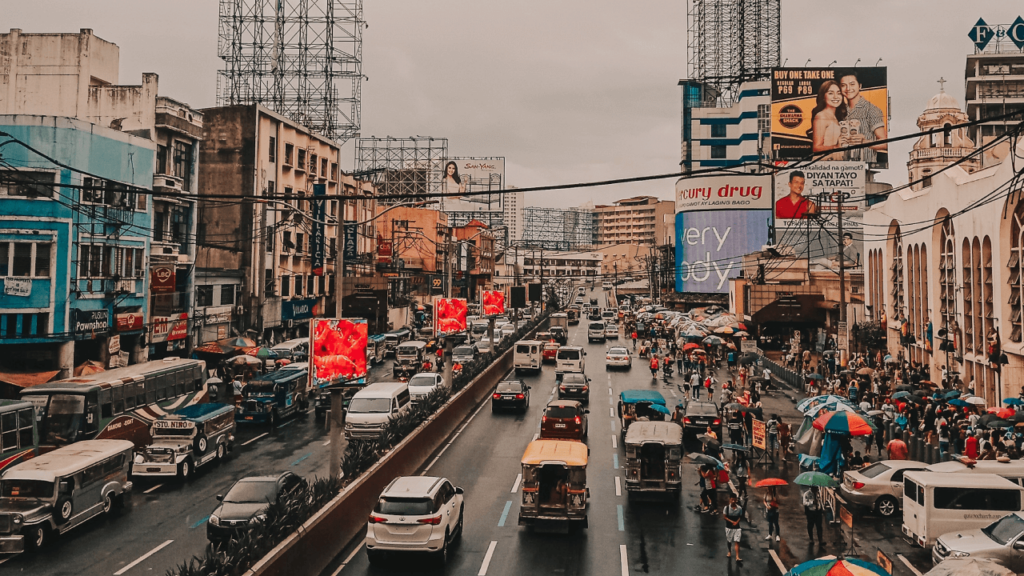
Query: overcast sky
{"x": 566, "y": 90}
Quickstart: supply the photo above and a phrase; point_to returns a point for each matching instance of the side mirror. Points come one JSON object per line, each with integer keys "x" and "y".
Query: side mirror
{"x": 220, "y": 497}
{"x": 586, "y": 411}
{"x": 459, "y": 490}
{"x": 64, "y": 486}
{"x": 1019, "y": 544}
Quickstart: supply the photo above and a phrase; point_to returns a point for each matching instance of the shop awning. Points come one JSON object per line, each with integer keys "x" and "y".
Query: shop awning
{"x": 794, "y": 308}
{"x": 27, "y": 379}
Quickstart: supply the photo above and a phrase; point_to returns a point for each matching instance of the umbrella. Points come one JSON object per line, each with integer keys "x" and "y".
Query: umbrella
{"x": 904, "y": 388}
{"x": 888, "y": 359}
{"x": 698, "y": 351}
{"x": 734, "y": 406}
{"x": 713, "y": 341}
{"x": 847, "y": 423}
{"x": 865, "y": 371}
{"x": 917, "y": 400}
{"x": 808, "y": 403}
{"x": 846, "y": 372}
{"x": 736, "y": 447}
{"x": 994, "y": 422}
{"x": 968, "y": 567}
{"x": 901, "y": 394}
{"x": 215, "y": 348}
{"x": 1017, "y": 418}
{"x": 740, "y": 334}
{"x": 832, "y": 566}
{"x": 807, "y": 461}
{"x": 705, "y": 459}
{"x": 921, "y": 393}
{"x": 976, "y": 400}
{"x": 958, "y": 402}
{"x": 830, "y": 407}
{"x": 753, "y": 410}
{"x": 1013, "y": 401}
{"x": 1006, "y": 413}
{"x": 724, "y": 330}
{"x": 245, "y": 359}
{"x": 815, "y": 479}
{"x": 262, "y": 353}
{"x": 239, "y": 342}
{"x": 815, "y": 376}
{"x": 690, "y": 346}
{"x": 953, "y": 394}
{"x": 769, "y": 482}
{"x": 709, "y": 440}
{"x": 875, "y": 413}
{"x": 660, "y": 408}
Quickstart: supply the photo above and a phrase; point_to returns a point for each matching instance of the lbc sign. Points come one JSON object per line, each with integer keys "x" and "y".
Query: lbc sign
{"x": 982, "y": 33}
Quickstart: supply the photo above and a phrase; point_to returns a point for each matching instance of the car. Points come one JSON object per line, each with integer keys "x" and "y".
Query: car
{"x": 1002, "y": 542}
{"x": 511, "y": 394}
{"x": 415, "y": 514}
{"x": 698, "y": 415}
{"x": 564, "y": 419}
{"x": 578, "y": 300}
{"x": 550, "y": 351}
{"x": 246, "y": 501}
{"x": 560, "y": 335}
{"x": 508, "y": 330}
{"x": 484, "y": 345}
{"x": 464, "y": 354}
{"x": 596, "y": 331}
{"x": 878, "y": 487}
{"x": 618, "y": 356}
{"x": 611, "y": 331}
{"x": 422, "y": 384}
{"x": 574, "y": 385}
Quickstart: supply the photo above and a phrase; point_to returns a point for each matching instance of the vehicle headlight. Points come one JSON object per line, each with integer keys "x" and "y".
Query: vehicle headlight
{"x": 214, "y": 520}
{"x": 258, "y": 518}
{"x": 958, "y": 554}
{"x": 348, "y": 426}
{"x": 17, "y": 519}
{"x": 139, "y": 459}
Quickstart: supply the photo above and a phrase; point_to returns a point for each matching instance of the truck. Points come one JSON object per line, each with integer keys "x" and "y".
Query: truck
{"x": 191, "y": 437}
{"x": 273, "y": 396}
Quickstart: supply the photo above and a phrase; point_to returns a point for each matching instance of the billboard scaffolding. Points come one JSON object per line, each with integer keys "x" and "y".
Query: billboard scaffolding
{"x": 411, "y": 168}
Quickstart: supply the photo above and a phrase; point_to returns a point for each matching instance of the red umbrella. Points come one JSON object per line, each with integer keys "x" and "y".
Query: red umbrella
{"x": 992, "y": 409}
{"x": 847, "y": 423}
{"x": 770, "y": 482}
{"x": 1006, "y": 413}
{"x": 690, "y": 346}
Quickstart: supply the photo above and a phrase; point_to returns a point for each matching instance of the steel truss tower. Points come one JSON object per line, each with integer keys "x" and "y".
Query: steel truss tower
{"x": 557, "y": 228}
{"x": 409, "y": 167}
{"x": 732, "y": 41}
{"x": 300, "y": 58}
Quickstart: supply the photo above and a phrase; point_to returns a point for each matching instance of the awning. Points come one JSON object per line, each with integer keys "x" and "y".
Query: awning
{"x": 794, "y": 308}
{"x": 27, "y": 379}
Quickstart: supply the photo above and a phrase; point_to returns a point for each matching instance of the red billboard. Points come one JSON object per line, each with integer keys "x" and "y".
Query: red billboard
{"x": 493, "y": 303}
{"x": 338, "y": 351}
{"x": 449, "y": 316}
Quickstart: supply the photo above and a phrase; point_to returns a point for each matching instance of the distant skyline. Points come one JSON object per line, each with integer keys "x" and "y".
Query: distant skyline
{"x": 567, "y": 91}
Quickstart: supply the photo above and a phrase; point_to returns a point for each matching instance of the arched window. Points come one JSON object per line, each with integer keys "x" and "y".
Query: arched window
{"x": 925, "y": 310}
{"x": 947, "y": 134}
{"x": 947, "y": 274}
{"x": 897, "y": 293}
{"x": 1014, "y": 278}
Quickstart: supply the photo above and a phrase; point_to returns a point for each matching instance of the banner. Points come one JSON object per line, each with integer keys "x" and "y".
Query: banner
{"x": 384, "y": 250}
{"x": 90, "y": 321}
{"x": 162, "y": 279}
{"x": 475, "y": 177}
{"x": 17, "y": 286}
{"x": 338, "y": 351}
{"x": 492, "y": 303}
{"x": 815, "y": 110}
{"x": 318, "y": 243}
{"x": 757, "y": 434}
{"x": 351, "y": 243}
{"x": 449, "y": 316}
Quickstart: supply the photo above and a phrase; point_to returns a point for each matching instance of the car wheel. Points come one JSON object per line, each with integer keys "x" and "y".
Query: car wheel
{"x": 108, "y": 502}
{"x": 887, "y": 506}
{"x": 442, "y": 555}
{"x": 462, "y": 522}
{"x": 36, "y": 536}
{"x": 221, "y": 452}
{"x": 184, "y": 470}
{"x": 373, "y": 557}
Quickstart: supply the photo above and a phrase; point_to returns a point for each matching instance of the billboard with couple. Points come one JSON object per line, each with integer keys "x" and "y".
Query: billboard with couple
{"x": 818, "y": 112}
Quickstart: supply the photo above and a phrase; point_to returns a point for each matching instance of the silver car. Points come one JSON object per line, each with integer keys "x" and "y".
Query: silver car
{"x": 878, "y": 486}
{"x": 1002, "y": 542}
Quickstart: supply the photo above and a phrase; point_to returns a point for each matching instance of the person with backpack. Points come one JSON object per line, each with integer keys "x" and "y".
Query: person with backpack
{"x": 812, "y": 510}
{"x": 634, "y": 340}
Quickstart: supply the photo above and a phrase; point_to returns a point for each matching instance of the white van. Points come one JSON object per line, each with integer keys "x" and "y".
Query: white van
{"x": 1012, "y": 470}
{"x": 570, "y": 359}
{"x": 595, "y": 332}
{"x": 372, "y": 407}
{"x": 527, "y": 356}
{"x": 936, "y": 503}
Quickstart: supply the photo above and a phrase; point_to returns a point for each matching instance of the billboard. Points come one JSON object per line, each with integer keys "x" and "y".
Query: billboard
{"x": 338, "y": 351}
{"x": 318, "y": 242}
{"x": 492, "y": 302}
{"x": 719, "y": 219}
{"x": 449, "y": 316}
{"x": 472, "y": 175}
{"x": 815, "y": 110}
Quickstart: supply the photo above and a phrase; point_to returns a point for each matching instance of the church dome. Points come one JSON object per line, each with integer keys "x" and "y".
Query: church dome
{"x": 942, "y": 101}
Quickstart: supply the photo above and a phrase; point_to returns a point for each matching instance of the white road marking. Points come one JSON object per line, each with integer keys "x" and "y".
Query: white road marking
{"x": 611, "y": 412}
{"x": 611, "y": 400}
{"x": 487, "y": 558}
{"x": 535, "y": 436}
{"x": 615, "y": 441}
{"x": 515, "y": 487}
{"x": 353, "y": 554}
{"x": 432, "y": 462}
{"x": 618, "y": 486}
{"x": 909, "y": 565}
{"x": 623, "y": 561}
{"x": 152, "y": 489}
{"x": 143, "y": 557}
{"x": 609, "y": 391}
{"x": 328, "y": 442}
{"x": 673, "y": 392}
{"x": 555, "y": 389}
{"x": 250, "y": 441}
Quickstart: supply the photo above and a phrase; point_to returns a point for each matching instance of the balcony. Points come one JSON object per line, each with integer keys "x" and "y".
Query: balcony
{"x": 950, "y": 153}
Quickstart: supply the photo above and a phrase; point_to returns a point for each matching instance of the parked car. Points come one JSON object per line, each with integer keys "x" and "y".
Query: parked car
{"x": 1002, "y": 541}
{"x": 415, "y": 514}
{"x": 619, "y": 357}
{"x": 422, "y": 384}
{"x": 698, "y": 415}
{"x": 564, "y": 419}
{"x": 576, "y": 386}
{"x": 246, "y": 501}
{"x": 511, "y": 394}
{"x": 879, "y": 486}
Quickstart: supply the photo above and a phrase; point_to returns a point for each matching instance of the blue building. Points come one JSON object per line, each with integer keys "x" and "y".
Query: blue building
{"x": 717, "y": 136}
{"x": 75, "y": 233}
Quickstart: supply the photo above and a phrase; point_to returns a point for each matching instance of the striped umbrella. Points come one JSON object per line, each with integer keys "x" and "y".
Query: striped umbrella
{"x": 832, "y": 566}
{"x": 846, "y": 423}
{"x": 809, "y": 403}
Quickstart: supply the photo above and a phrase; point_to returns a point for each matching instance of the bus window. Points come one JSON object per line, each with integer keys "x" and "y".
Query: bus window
{"x": 92, "y": 409}
{"x": 106, "y": 403}
{"x": 151, "y": 391}
{"x": 181, "y": 381}
{"x": 118, "y": 392}
{"x": 25, "y": 420}
{"x": 129, "y": 396}
{"x": 8, "y": 431}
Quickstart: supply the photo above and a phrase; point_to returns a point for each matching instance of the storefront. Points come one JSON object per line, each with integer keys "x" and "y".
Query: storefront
{"x": 168, "y": 336}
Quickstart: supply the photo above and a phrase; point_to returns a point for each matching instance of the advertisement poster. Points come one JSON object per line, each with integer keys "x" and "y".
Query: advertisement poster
{"x": 476, "y": 177}
{"x": 493, "y": 303}
{"x": 338, "y": 351}
{"x": 318, "y": 242}
{"x": 162, "y": 279}
{"x": 757, "y": 434}
{"x": 817, "y": 110}
{"x": 719, "y": 219}
{"x": 449, "y": 316}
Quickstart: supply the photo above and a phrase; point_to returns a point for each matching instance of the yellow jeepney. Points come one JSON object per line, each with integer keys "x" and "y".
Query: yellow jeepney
{"x": 555, "y": 489}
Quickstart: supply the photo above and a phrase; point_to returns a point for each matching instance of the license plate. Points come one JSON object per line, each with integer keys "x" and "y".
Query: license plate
{"x": 508, "y": 397}
{"x": 248, "y": 417}
{"x": 559, "y": 425}
{"x": 152, "y": 469}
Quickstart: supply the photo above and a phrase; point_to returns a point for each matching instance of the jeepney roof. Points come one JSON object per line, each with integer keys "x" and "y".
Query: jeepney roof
{"x": 634, "y": 396}
{"x": 668, "y": 433}
{"x": 413, "y": 344}
{"x": 200, "y": 412}
{"x": 67, "y": 460}
{"x": 375, "y": 338}
{"x": 569, "y": 452}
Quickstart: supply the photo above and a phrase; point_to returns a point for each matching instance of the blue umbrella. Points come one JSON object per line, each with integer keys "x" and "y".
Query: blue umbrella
{"x": 953, "y": 394}
{"x": 815, "y": 377}
{"x": 1013, "y": 401}
{"x": 958, "y": 402}
{"x": 660, "y": 408}
{"x": 901, "y": 395}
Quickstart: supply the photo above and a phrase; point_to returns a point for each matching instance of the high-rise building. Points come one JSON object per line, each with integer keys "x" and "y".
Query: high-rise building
{"x": 994, "y": 88}
{"x": 639, "y": 220}
{"x": 513, "y": 208}
{"x": 715, "y": 136}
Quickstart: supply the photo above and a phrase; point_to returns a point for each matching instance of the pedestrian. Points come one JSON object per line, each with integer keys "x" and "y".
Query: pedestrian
{"x": 679, "y": 361}
{"x": 702, "y": 482}
{"x": 736, "y": 428}
{"x": 897, "y": 449}
{"x": 772, "y": 431}
{"x": 812, "y": 510}
{"x": 213, "y": 391}
{"x": 733, "y": 513}
{"x": 741, "y": 473}
{"x": 695, "y": 385}
{"x": 634, "y": 339}
{"x": 654, "y": 365}
{"x": 771, "y": 513}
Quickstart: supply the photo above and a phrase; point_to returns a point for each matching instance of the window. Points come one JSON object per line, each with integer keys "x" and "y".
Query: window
{"x": 227, "y": 295}
{"x": 286, "y": 284}
{"x": 5, "y": 254}
{"x": 301, "y": 163}
{"x": 183, "y": 163}
{"x": 718, "y": 152}
{"x": 310, "y": 284}
{"x": 334, "y": 171}
{"x": 286, "y": 240}
{"x": 268, "y": 281}
{"x": 288, "y": 150}
{"x": 161, "y": 159}
{"x": 764, "y": 118}
{"x": 718, "y": 130}
{"x": 954, "y": 498}
{"x": 300, "y": 242}
{"x": 323, "y": 167}
{"x": 42, "y": 261}
{"x": 298, "y": 285}
{"x": 22, "y": 263}
{"x": 312, "y": 164}
{"x": 27, "y": 183}
{"x": 204, "y": 296}
{"x": 271, "y": 188}
{"x": 272, "y": 150}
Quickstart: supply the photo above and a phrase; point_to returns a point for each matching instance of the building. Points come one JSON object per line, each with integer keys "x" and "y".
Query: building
{"x": 558, "y": 228}
{"x": 622, "y": 261}
{"x": 537, "y": 263}
{"x": 715, "y": 136}
{"x": 75, "y": 221}
{"x": 513, "y": 207}
{"x": 936, "y": 151}
{"x": 474, "y": 259}
{"x": 994, "y": 88}
{"x": 960, "y": 275}
{"x": 639, "y": 220}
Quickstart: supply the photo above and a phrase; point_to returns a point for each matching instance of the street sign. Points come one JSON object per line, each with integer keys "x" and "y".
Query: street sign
{"x": 884, "y": 561}
{"x": 757, "y": 431}
{"x": 843, "y": 340}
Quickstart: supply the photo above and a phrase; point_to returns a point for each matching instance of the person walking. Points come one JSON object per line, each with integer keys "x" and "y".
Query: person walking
{"x": 771, "y": 513}
{"x": 695, "y": 386}
{"x": 812, "y": 510}
{"x": 733, "y": 513}
{"x": 772, "y": 431}
{"x": 634, "y": 340}
{"x": 654, "y": 366}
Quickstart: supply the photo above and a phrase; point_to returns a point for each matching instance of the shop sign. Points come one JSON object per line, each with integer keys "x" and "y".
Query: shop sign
{"x": 318, "y": 242}
{"x": 350, "y": 251}
{"x": 129, "y": 321}
{"x": 384, "y": 250}
{"x": 299, "y": 309}
{"x": 757, "y": 433}
{"x": 114, "y": 345}
{"x": 161, "y": 279}
{"x": 166, "y": 328}
{"x": 90, "y": 321}
{"x": 17, "y": 286}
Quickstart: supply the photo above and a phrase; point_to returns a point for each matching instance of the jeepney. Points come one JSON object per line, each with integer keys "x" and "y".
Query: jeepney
{"x": 189, "y": 438}
{"x": 653, "y": 454}
{"x": 409, "y": 357}
{"x": 641, "y": 405}
{"x": 273, "y": 396}
{"x": 376, "y": 348}
{"x": 573, "y": 313}
{"x": 555, "y": 492}
{"x": 394, "y": 338}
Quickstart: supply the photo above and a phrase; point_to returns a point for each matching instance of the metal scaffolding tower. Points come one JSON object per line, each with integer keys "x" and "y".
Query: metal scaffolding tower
{"x": 557, "y": 228}
{"x": 732, "y": 41}
{"x": 409, "y": 167}
{"x": 300, "y": 58}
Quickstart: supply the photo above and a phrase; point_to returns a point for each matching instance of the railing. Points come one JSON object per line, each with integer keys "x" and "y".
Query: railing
{"x": 788, "y": 376}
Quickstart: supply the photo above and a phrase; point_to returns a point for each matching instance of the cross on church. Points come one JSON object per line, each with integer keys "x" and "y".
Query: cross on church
{"x": 942, "y": 84}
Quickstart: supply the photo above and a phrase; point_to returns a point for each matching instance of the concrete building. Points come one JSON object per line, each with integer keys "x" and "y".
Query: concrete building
{"x": 639, "y": 220}
{"x": 622, "y": 261}
{"x": 935, "y": 151}
{"x": 994, "y": 88}
{"x": 716, "y": 137}
{"x": 514, "y": 215}
{"x": 474, "y": 259}
{"x": 558, "y": 264}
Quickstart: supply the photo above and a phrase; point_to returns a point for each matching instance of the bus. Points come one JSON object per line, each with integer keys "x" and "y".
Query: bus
{"x": 19, "y": 438}
{"x": 119, "y": 404}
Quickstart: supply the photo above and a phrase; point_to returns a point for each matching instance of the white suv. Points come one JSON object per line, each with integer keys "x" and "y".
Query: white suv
{"x": 415, "y": 514}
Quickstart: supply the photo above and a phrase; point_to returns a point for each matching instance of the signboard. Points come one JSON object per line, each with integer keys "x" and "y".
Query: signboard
{"x": 884, "y": 561}
{"x": 449, "y": 316}
{"x": 338, "y": 351}
{"x": 351, "y": 245}
{"x": 517, "y": 296}
{"x": 492, "y": 303}
{"x": 114, "y": 346}
{"x": 318, "y": 243}
{"x": 129, "y": 321}
{"x": 90, "y": 321}
{"x": 845, "y": 516}
{"x": 719, "y": 219}
{"x": 748, "y": 346}
{"x": 758, "y": 434}
{"x": 384, "y": 250}
{"x": 168, "y": 328}
{"x": 843, "y": 340}
{"x": 299, "y": 309}
{"x": 162, "y": 279}
{"x": 17, "y": 286}
{"x": 815, "y": 110}
{"x": 480, "y": 179}
{"x": 1004, "y": 34}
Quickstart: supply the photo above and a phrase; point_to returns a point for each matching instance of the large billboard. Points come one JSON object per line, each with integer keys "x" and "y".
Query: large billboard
{"x": 449, "y": 316}
{"x": 816, "y": 110}
{"x": 719, "y": 219}
{"x": 493, "y": 303}
{"x": 338, "y": 351}
{"x": 472, "y": 176}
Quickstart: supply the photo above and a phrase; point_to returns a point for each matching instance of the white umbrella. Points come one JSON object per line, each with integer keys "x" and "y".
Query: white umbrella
{"x": 976, "y": 400}
{"x": 245, "y": 359}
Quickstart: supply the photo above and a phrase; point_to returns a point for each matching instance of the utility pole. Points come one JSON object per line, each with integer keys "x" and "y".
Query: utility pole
{"x": 842, "y": 278}
{"x": 337, "y": 414}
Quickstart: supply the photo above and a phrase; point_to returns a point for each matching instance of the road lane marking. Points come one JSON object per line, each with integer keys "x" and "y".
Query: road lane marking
{"x": 618, "y": 486}
{"x": 432, "y": 462}
{"x": 553, "y": 390}
{"x": 301, "y": 458}
{"x": 504, "y": 514}
{"x": 615, "y": 441}
{"x": 611, "y": 412}
{"x": 673, "y": 392}
{"x": 200, "y": 523}
{"x": 353, "y": 554}
{"x": 515, "y": 487}
{"x": 143, "y": 557}
{"x": 622, "y": 519}
{"x": 535, "y": 436}
{"x": 609, "y": 388}
{"x": 487, "y": 558}
{"x": 286, "y": 424}
{"x": 909, "y": 565}
{"x": 247, "y": 442}
{"x": 615, "y": 461}
{"x": 612, "y": 422}
{"x": 152, "y": 489}
{"x": 623, "y": 561}
{"x": 328, "y": 442}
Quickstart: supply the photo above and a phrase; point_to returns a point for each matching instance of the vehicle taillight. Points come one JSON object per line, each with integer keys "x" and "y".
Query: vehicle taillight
{"x": 858, "y": 485}
{"x": 376, "y": 519}
{"x": 496, "y": 396}
{"x": 543, "y": 419}
{"x": 585, "y": 388}
{"x": 562, "y": 388}
{"x": 433, "y": 520}
{"x": 607, "y": 357}
{"x": 520, "y": 396}
{"x": 578, "y": 421}
{"x": 686, "y": 420}
{"x": 716, "y": 422}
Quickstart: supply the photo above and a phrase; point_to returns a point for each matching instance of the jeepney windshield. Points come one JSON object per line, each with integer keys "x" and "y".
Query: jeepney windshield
{"x": 260, "y": 388}
{"x": 62, "y": 418}
{"x": 37, "y": 489}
